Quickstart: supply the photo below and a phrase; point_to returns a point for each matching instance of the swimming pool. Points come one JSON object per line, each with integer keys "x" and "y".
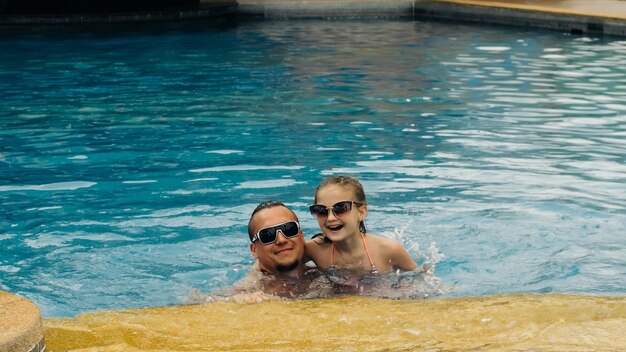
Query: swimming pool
{"x": 130, "y": 162}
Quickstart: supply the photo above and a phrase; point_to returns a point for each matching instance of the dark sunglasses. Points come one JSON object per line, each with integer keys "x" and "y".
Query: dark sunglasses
{"x": 338, "y": 209}
{"x": 269, "y": 235}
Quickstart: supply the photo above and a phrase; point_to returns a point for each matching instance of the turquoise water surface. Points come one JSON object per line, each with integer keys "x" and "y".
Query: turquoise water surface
{"x": 130, "y": 161}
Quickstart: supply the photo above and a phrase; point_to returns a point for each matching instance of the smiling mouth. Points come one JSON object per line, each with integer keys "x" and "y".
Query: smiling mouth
{"x": 335, "y": 227}
{"x": 284, "y": 250}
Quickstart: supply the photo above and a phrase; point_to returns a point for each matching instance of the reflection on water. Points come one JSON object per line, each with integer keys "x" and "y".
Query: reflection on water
{"x": 507, "y": 322}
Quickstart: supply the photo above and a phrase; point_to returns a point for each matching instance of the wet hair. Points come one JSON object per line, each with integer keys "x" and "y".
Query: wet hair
{"x": 350, "y": 183}
{"x": 266, "y": 205}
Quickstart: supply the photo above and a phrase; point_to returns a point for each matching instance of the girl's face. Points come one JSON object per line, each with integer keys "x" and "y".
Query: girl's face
{"x": 342, "y": 226}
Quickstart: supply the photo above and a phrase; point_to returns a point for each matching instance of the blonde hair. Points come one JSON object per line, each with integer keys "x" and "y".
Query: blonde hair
{"x": 346, "y": 182}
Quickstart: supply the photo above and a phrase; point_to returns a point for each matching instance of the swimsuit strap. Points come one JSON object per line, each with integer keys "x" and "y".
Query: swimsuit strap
{"x": 374, "y": 269}
{"x": 332, "y": 255}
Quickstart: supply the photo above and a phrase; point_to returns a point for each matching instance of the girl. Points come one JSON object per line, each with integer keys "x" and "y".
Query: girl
{"x": 340, "y": 207}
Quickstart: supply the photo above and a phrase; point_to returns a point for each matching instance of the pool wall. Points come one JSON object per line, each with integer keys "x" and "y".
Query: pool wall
{"x": 61, "y": 7}
{"x": 284, "y": 9}
{"x": 563, "y": 16}
{"x": 202, "y": 10}
{"x": 492, "y": 12}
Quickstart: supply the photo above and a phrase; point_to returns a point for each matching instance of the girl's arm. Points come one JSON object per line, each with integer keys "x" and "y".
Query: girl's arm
{"x": 400, "y": 258}
{"x": 310, "y": 251}
{"x": 317, "y": 251}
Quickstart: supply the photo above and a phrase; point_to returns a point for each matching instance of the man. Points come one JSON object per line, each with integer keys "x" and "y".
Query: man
{"x": 277, "y": 242}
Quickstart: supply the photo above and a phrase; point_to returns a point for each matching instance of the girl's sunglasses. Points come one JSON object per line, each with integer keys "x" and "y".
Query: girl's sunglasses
{"x": 338, "y": 209}
{"x": 269, "y": 235}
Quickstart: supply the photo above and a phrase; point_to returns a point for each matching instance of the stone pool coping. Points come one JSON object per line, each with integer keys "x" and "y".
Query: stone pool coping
{"x": 20, "y": 324}
{"x": 574, "y": 16}
{"x": 503, "y": 322}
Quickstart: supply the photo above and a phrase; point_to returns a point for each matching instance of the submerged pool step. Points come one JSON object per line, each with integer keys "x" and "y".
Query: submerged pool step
{"x": 530, "y": 322}
{"x": 20, "y": 325}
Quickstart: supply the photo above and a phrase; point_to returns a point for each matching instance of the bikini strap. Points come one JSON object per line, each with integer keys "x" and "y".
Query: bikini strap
{"x": 332, "y": 255}
{"x": 374, "y": 268}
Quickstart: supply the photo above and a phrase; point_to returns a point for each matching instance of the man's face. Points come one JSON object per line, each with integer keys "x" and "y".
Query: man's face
{"x": 285, "y": 254}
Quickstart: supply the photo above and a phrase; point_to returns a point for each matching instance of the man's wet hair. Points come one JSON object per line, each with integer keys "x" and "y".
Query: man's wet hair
{"x": 265, "y": 205}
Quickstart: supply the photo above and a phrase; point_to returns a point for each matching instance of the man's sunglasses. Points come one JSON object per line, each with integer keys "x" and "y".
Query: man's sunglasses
{"x": 269, "y": 235}
{"x": 338, "y": 209}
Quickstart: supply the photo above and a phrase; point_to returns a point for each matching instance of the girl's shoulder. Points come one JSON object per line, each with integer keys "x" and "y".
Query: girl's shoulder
{"x": 393, "y": 252}
{"x": 384, "y": 244}
{"x": 384, "y": 241}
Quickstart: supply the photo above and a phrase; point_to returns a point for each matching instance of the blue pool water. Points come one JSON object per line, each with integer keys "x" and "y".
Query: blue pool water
{"x": 130, "y": 161}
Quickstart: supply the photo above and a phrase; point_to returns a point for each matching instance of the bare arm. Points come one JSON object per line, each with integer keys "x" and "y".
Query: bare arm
{"x": 249, "y": 289}
{"x": 400, "y": 258}
{"x": 314, "y": 250}
{"x": 249, "y": 283}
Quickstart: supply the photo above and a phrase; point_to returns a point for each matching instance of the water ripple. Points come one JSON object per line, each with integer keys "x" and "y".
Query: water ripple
{"x": 140, "y": 156}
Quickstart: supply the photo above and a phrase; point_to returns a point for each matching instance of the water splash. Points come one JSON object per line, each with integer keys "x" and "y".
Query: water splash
{"x": 255, "y": 287}
{"x": 427, "y": 259}
{"x": 240, "y": 284}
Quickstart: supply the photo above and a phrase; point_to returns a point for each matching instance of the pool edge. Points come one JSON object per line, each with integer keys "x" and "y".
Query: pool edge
{"x": 21, "y": 323}
{"x": 476, "y": 11}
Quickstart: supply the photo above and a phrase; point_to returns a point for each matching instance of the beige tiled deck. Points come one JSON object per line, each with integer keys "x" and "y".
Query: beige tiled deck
{"x": 575, "y": 16}
{"x": 601, "y": 8}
